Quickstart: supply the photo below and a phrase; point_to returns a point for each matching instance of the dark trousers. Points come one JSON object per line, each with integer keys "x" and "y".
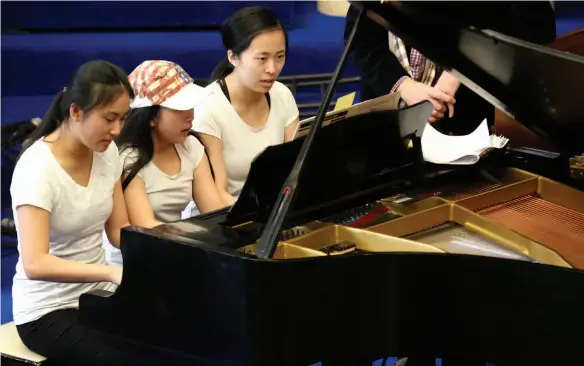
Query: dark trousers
{"x": 60, "y": 338}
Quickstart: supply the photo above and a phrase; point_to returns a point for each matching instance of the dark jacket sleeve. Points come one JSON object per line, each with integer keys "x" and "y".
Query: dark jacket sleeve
{"x": 379, "y": 68}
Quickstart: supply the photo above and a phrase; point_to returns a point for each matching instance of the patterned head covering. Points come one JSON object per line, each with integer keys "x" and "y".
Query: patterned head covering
{"x": 164, "y": 83}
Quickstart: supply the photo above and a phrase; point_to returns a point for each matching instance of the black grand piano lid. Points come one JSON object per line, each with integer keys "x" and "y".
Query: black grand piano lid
{"x": 541, "y": 88}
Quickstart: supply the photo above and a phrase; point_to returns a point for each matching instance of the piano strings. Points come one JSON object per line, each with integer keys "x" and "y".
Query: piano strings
{"x": 560, "y": 228}
{"x": 450, "y": 192}
{"x": 473, "y": 190}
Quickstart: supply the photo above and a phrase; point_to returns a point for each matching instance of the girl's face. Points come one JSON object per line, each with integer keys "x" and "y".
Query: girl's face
{"x": 173, "y": 126}
{"x": 98, "y": 128}
{"x": 260, "y": 64}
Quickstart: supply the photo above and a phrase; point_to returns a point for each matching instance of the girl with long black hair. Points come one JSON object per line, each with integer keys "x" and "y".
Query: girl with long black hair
{"x": 164, "y": 163}
{"x": 246, "y": 109}
{"x": 65, "y": 190}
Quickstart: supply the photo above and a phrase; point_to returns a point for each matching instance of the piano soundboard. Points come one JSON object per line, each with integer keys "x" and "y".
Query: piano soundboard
{"x": 522, "y": 217}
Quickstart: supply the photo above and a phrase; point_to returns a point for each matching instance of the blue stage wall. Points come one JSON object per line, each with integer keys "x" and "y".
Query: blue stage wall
{"x": 59, "y": 15}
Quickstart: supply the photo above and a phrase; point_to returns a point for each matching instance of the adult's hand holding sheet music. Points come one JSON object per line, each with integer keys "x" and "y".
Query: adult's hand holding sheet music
{"x": 459, "y": 150}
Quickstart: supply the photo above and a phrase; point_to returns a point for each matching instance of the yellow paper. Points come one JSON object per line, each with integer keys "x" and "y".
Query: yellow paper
{"x": 345, "y": 101}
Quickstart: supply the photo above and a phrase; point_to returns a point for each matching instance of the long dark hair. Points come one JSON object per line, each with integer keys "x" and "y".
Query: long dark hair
{"x": 239, "y": 30}
{"x": 94, "y": 84}
{"x": 137, "y": 134}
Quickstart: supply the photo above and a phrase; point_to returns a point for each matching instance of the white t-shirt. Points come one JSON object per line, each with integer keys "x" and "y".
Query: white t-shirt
{"x": 242, "y": 143}
{"x": 168, "y": 194}
{"x": 77, "y": 219}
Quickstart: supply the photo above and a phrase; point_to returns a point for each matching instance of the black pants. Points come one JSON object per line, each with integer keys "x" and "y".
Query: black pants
{"x": 60, "y": 338}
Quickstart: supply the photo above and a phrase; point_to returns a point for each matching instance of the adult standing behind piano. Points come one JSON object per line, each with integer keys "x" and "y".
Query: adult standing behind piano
{"x": 246, "y": 109}
{"x": 65, "y": 189}
{"x": 388, "y": 64}
{"x": 164, "y": 163}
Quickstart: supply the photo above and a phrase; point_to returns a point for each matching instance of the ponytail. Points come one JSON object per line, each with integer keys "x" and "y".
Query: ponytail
{"x": 220, "y": 71}
{"x": 50, "y": 122}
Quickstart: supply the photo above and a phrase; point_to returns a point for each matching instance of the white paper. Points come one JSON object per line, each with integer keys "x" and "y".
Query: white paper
{"x": 458, "y": 150}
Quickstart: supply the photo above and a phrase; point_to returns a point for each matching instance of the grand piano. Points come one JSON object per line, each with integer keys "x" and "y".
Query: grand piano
{"x": 379, "y": 253}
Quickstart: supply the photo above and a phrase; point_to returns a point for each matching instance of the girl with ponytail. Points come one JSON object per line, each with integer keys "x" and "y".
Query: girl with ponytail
{"x": 246, "y": 109}
{"x": 65, "y": 190}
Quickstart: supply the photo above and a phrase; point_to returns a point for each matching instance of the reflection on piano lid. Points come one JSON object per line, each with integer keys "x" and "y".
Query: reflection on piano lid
{"x": 196, "y": 286}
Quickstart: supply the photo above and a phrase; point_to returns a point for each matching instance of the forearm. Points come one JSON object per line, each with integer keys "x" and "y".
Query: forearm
{"x": 399, "y": 83}
{"x": 448, "y": 84}
{"x": 148, "y": 224}
{"x": 114, "y": 234}
{"x": 208, "y": 201}
{"x": 47, "y": 267}
{"x": 224, "y": 195}
{"x": 154, "y": 223}
{"x": 228, "y": 199}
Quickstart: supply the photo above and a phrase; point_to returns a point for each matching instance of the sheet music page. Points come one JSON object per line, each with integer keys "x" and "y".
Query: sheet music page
{"x": 386, "y": 102}
{"x": 444, "y": 149}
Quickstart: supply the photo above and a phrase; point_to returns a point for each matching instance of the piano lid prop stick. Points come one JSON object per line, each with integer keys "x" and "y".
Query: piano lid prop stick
{"x": 269, "y": 238}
